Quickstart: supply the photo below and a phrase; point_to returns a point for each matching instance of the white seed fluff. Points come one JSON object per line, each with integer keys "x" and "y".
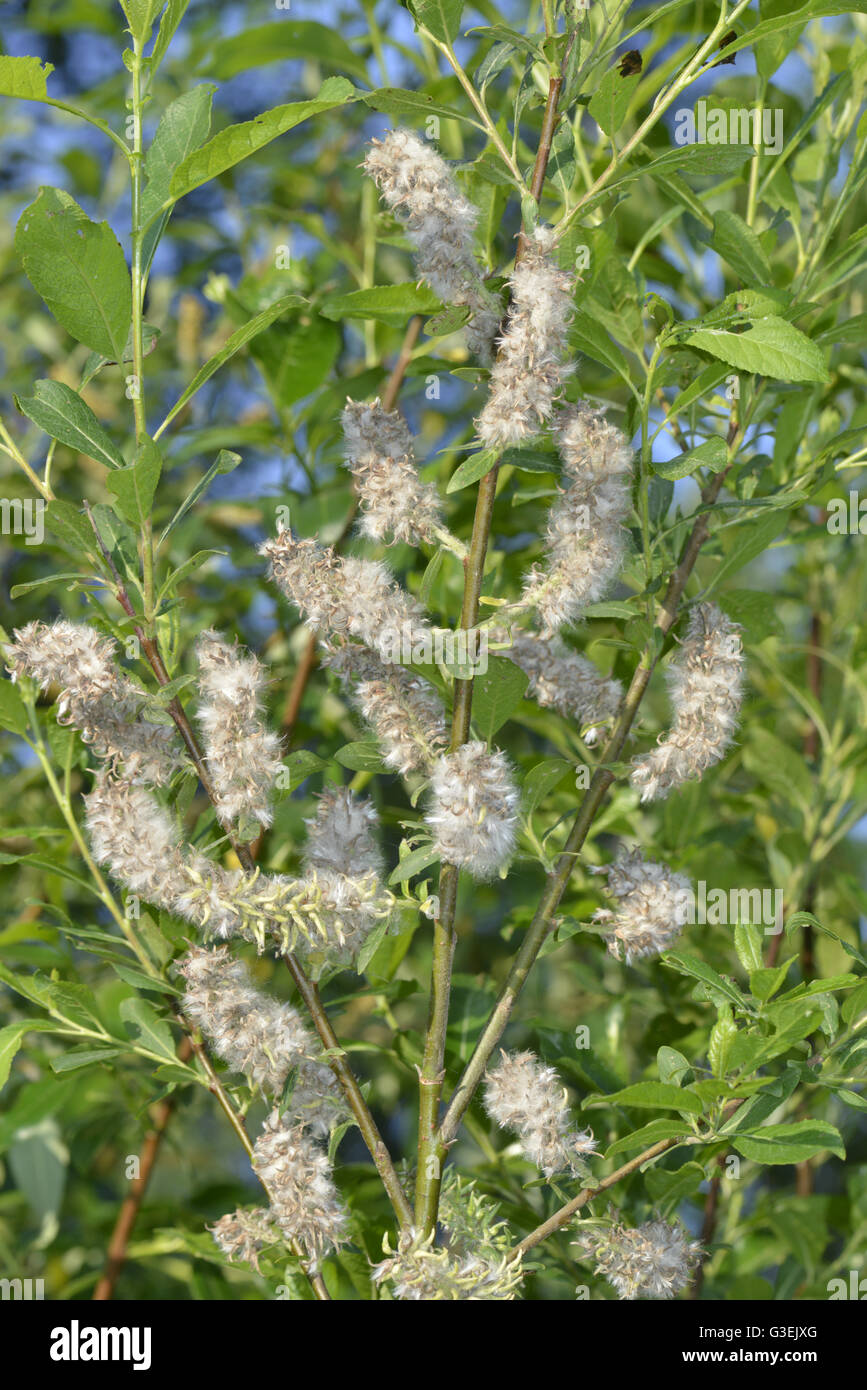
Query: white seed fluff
{"x": 305, "y": 1203}
{"x": 242, "y": 1234}
{"x": 421, "y": 1272}
{"x": 564, "y": 680}
{"x": 473, "y": 811}
{"x": 395, "y": 504}
{"x": 705, "y": 683}
{"x": 340, "y": 836}
{"x": 652, "y": 906}
{"x": 524, "y": 1095}
{"x": 96, "y": 696}
{"x": 650, "y": 1261}
{"x": 341, "y": 597}
{"x": 259, "y": 1036}
{"x": 243, "y": 756}
{"x": 421, "y": 191}
{"x": 403, "y": 709}
{"x": 325, "y": 912}
{"x": 585, "y": 537}
{"x": 529, "y": 370}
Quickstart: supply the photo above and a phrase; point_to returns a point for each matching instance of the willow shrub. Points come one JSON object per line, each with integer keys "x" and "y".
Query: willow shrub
{"x": 494, "y": 931}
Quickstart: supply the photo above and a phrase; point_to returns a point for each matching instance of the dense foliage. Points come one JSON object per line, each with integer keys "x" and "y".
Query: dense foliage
{"x": 196, "y": 273}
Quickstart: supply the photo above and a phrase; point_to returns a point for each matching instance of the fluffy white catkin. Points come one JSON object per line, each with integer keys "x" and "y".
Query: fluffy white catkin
{"x": 705, "y": 683}
{"x": 344, "y": 597}
{"x": 421, "y": 1272}
{"x": 96, "y": 696}
{"x": 563, "y": 680}
{"x": 524, "y": 1095}
{"x": 243, "y": 756}
{"x": 473, "y": 810}
{"x": 325, "y": 912}
{"x": 650, "y": 1261}
{"x": 305, "y": 1203}
{"x": 395, "y": 504}
{"x": 404, "y": 710}
{"x": 585, "y": 536}
{"x": 652, "y": 906}
{"x": 529, "y": 370}
{"x": 259, "y": 1036}
{"x": 242, "y": 1234}
{"x": 421, "y": 191}
{"x": 340, "y": 836}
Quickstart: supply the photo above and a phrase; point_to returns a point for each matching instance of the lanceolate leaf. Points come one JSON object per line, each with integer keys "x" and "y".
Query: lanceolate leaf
{"x": 234, "y": 343}
{"x": 62, "y": 413}
{"x": 238, "y": 142}
{"x": 79, "y": 269}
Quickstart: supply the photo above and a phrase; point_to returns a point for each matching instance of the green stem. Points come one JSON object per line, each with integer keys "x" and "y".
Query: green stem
{"x": 558, "y": 879}
{"x": 431, "y": 1153}
{"x": 137, "y": 276}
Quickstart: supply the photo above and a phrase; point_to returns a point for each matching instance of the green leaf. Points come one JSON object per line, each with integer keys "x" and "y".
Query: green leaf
{"x": 38, "y": 1160}
{"x": 393, "y": 304}
{"x": 699, "y": 159}
{"x": 71, "y": 526}
{"x": 752, "y": 539}
{"x": 610, "y": 101}
{"x": 134, "y": 487}
{"x": 531, "y": 460}
{"x": 174, "y": 13}
{"x": 722, "y": 1036}
{"x": 147, "y": 1029}
{"x": 441, "y": 17}
{"x": 791, "y": 1143}
{"x": 588, "y": 336}
{"x": 295, "y": 359}
{"x": 363, "y": 756}
{"x": 689, "y": 965}
{"x": 756, "y": 612}
{"x": 24, "y": 77}
{"x": 414, "y": 863}
{"x": 238, "y": 142}
{"x": 61, "y": 412}
{"x": 80, "y": 1057}
{"x": 770, "y": 347}
{"x": 748, "y": 946}
{"x": 472, "y": 468}
{"x": 183, "y": 128}
{"x": 672, "y": 1065}
{"x": 712, "y": 454}
{"x": 139, "y": 980}
{"x": 225, "y": 462}
{"x": 649, "y": 1135}
{"x": 541, "y": 780}
{"x": 79, "y": 269}
{"x": 13, "y": 713}
{"x": 497, "y": 694}
{"x": 285, "y": 38}
{"x": 140, "y": 16}
{"x": 648, "y": 1095}
{"x": 10, "y": 1040}
{"x": 302, "y": 764}
{"x": 737, "y": 243}
{"x": 233, "y": 344}
{"x": 394, "y": 101}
